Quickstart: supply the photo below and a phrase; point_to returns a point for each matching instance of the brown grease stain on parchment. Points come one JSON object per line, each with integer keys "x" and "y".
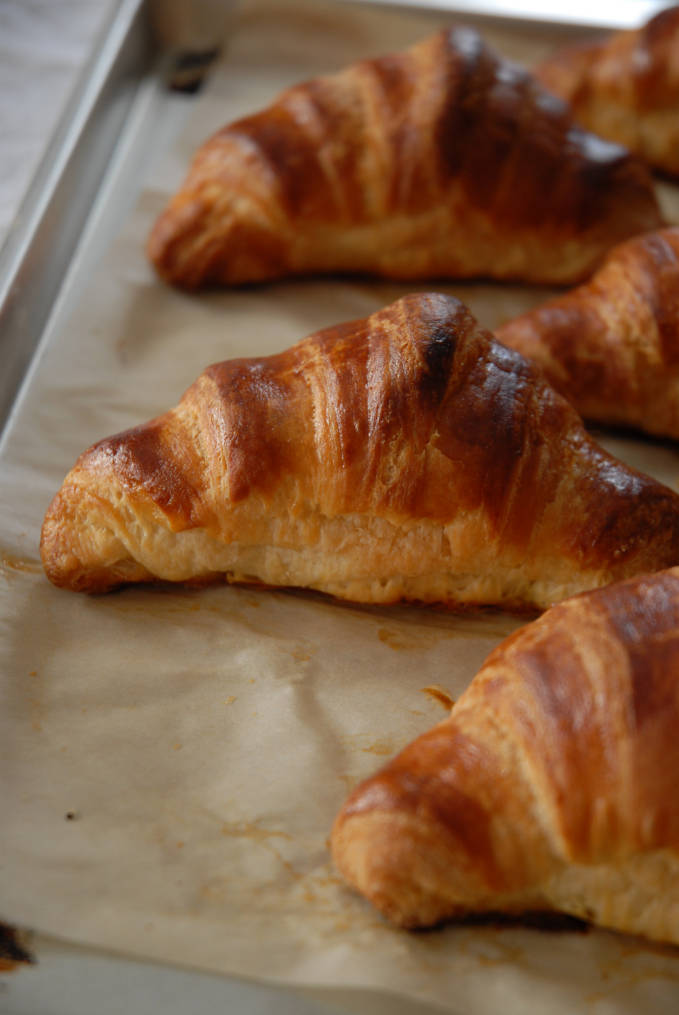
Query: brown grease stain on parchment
{"x": 634, "y": 964}
{"x": 368, "y": 744}
{"x": 440, "y": 695}
{"x": 402, "y": 640}
{"x": 253, "y": 831}
{"x": 11, "y": 563}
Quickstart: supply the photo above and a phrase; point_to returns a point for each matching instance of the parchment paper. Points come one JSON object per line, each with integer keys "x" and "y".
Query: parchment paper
{"x": 172, "y": 760}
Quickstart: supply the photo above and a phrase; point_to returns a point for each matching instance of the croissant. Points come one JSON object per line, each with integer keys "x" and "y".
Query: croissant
{"x": 404, "y": 456}
{"x": 552, "y": 786}
{"x": 611, "y": 346}
{"x": 625, "y": 87}
{"x": 440, "y": 161}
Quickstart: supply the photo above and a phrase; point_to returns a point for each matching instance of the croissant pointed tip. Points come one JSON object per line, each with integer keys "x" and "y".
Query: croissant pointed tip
{"x": 174, "y": 243}
{"x": 387, "y": 865}
{"x": 76, "y": 551}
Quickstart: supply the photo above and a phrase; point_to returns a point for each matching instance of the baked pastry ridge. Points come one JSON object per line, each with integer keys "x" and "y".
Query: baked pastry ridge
{"x": 404, "y": 456}
{"x": 625, "y": 87}
{"x": 611, "y": 345}
{"x": 441, "y": 161}
{"x": 553, "y": 784}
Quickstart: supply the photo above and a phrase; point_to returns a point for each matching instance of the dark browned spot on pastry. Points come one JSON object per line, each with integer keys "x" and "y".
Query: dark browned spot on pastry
{"x": 502, "y": 147}
{"x": 493, "y": 424}
{"x": 515, "y": 150}
{"x": 438, "y": 354}
{"x": 504, "y": 137}
{"x": 469, "y": 69}
{"x": 381, "y": 386}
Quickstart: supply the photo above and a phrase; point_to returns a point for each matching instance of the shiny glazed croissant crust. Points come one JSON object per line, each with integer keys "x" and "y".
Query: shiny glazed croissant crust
{"x": 439, "y": 161}
{"x": 404, "y": 456}
{"x": 552, "y": 786}
{"x": 611, "y": 346}
{"x": 626, "y": 87}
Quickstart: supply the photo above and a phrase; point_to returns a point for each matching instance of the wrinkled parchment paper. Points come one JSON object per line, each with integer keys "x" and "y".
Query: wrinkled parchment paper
{"x": 172, "y": 760}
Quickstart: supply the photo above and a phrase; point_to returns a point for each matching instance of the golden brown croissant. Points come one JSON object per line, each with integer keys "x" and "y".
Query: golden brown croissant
{"x": 405, "y": 456}
{"x": 552, "y": 786}
{"x": 440, "y": 161}
{"x": 611, "y": 346}
{"x": 625, "y": 87}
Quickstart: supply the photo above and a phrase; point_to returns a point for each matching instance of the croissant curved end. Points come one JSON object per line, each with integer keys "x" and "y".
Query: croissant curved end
{"x": 551, "y": 786}
{"x": 201, "y": 239}
{"x": 392, "y": 865}
{"x": 179, "y": 243}
{"x": 84, "y": 558}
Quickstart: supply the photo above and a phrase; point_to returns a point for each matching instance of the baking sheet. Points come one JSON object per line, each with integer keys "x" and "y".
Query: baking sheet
{"x": 173, "y": 759}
